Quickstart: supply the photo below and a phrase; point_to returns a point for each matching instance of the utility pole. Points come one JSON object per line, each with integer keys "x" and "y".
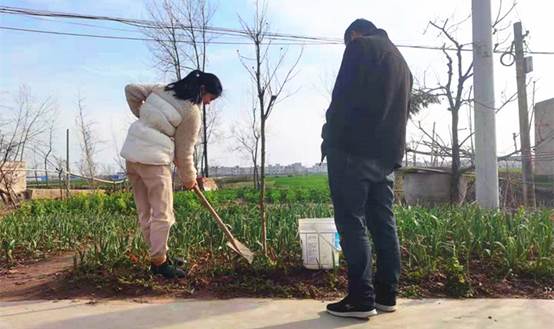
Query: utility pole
{"x": 486, "y": 168}
{"x": 67, "y": 174}
{"x": 525, "y": 140}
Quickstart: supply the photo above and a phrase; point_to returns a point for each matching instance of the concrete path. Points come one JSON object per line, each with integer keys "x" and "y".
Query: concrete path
{"x": 272, "y": 314}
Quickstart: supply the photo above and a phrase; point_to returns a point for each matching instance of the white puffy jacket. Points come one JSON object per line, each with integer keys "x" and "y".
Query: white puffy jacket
{"x": 166, "y": 130}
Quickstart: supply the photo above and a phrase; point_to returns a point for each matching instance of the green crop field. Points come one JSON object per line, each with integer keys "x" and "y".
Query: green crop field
{"x": 101, "y": 231}
{"x": 305, "y": 181}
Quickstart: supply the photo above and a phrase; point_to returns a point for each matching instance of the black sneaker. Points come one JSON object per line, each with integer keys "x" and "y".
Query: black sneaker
{"x": 168, "y": 270}
{"x": 347, "y": 308}
{"x": 385, "y": 301}
{"x": 178, "y": 261}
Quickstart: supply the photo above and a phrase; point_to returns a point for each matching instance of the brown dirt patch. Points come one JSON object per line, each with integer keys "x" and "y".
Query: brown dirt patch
{"x": 34, "y": 279}
{"x": 53, "y": 279}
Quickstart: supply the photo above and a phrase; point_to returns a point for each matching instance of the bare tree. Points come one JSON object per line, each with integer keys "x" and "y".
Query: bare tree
{"x": 270, "y": 83}
{"x": 48, "y": 151}
{"x": 168, "y": 48}
{"x": 60, "y": 164}
{"x": 209, "y": 134}
{"x": 181, "y": 34}
{"x": 212, "y": 122}
{"x": 35, "y": 164}
{"x": 456, "y": 90}
{"x": 247, "y": 136}
{"x": 455, "y": 93}
{"x": 22, "y": 126}
{"x": 118, "y": 159}
{"x": 88, "y": 141}
{"x": 197, "y": 16}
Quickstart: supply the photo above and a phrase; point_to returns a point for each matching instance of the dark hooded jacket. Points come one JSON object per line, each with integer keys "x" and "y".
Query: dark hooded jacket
{"x": 369, "y": 107}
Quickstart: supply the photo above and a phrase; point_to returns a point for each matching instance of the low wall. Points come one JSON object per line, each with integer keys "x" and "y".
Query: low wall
{"x": 35, "y": 194}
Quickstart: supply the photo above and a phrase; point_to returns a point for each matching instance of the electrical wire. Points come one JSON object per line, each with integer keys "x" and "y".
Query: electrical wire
{"x": 283, "y": 39}
{"x": 138, "y": 38}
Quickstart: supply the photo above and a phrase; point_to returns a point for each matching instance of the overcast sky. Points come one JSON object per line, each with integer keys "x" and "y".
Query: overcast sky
{"x": 64, "y": 67}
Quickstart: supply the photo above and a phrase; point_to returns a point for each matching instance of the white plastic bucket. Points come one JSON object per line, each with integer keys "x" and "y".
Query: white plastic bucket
{"x": 320, "y": 243}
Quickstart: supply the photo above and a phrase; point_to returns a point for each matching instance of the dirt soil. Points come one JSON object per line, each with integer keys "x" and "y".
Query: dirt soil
{"x": 52, "y": 278}
{"x": 34, "y": 279}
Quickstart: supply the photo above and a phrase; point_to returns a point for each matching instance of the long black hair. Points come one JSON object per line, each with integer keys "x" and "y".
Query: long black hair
{"x": 190, "y": 87}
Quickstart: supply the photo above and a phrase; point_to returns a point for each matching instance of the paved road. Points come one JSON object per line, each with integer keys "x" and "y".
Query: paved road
{"x": 272, "y": 314}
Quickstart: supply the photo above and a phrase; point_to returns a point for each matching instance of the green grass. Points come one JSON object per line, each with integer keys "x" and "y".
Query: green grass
{"x": 102, "y": 231}
{"x": 316, "y": 181}
{"x": 304, "y": 181}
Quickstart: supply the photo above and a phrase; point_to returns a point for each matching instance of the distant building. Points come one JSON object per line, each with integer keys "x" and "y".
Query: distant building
{"x": 318, "y": 168}
{"x": 275, "y": 170}
{"x": 271, "y": 170}
{"x": 231, "y": 171}
{"x": 544, "y": 138}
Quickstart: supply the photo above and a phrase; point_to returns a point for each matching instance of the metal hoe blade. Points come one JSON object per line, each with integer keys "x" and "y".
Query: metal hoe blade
{"x": 242, "y": 250}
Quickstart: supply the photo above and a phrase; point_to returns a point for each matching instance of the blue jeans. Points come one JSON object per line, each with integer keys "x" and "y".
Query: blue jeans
{"x": 362, "y": 194}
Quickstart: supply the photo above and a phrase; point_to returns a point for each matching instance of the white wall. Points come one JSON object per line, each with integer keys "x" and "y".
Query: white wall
{"x": 544, "y": 137}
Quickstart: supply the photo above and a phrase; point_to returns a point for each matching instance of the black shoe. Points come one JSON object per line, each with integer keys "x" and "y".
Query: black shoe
{"x": 168, "y": 270}
{"x": 178, "y": 261}
{"x": 348, "y": 308}
{"x": 385, "y": 300}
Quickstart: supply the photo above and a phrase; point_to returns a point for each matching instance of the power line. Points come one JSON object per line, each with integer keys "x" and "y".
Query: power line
{"x": 100, "y": 36}
{"x": 300, "y": 40}
{"x": 9, "y": 28}
{"x": 147, "y": 24}
{"x": 82, "y": 24}
{"x": 136, "y": 38}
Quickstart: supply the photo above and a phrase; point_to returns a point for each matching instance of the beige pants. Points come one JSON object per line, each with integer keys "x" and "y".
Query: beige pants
{"x": 153, "y": 193}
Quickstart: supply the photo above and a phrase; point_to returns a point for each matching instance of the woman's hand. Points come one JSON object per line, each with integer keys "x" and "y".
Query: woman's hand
{"x": 190, "y": 185}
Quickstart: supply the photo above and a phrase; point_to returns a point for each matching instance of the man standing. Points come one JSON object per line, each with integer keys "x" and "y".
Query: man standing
{"x": 364, "y": 140}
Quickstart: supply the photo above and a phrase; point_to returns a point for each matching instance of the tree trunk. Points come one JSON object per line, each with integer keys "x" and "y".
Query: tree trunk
{"x": 46, "y": 171}
{"x": 256, "y": 177}
{"x": 60, "y": 182}
{"x": 46, "y": 162}
{"x": 256, "y": 167}
{"x": 455, "y": 195}
{"x": 263, "y": 118}
{"x": 262, "y": 190}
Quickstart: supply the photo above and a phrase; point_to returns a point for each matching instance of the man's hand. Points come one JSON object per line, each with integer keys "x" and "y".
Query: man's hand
{"x": 190, "y": 185}
{"x": 324, "y": 150}
{"x": 324, "y": 146}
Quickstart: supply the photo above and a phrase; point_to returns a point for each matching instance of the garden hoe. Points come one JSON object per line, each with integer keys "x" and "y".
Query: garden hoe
{"x": 232, "y": 243}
